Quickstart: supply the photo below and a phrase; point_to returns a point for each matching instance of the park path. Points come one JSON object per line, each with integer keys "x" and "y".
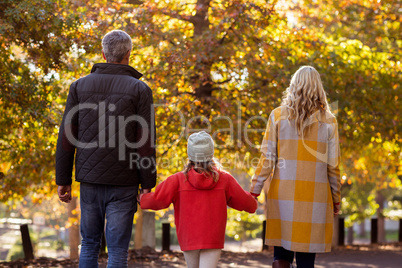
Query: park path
{"x": 378, "y": 256}
{"x": 355, "y": 256}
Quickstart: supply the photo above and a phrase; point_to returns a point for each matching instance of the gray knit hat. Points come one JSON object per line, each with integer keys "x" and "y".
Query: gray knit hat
{"x": 200, "y": 147}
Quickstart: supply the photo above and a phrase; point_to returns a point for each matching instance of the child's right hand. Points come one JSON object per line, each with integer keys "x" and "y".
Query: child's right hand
{"x": 142, "y": 192}
{"x": 337, "y": 208}
{"x": 139, "y": 198}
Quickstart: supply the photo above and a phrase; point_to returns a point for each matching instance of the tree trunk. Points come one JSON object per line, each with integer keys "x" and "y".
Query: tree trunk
{"x": 202, "y": 79}
{"x": 350, "y": 235}
{"x": 200, "y": 19}
{"x": 381, "y": 219}
{"x": 138, "y": 230}
{"x": 74, "y": 234}
{"x": 362, "y": 229}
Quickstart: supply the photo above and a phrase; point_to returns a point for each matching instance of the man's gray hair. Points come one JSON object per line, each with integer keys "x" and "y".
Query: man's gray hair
{"x": 115, "y": 45}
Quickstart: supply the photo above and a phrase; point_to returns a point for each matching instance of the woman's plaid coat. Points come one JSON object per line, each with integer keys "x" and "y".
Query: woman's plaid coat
{"x": 303, "y": 179}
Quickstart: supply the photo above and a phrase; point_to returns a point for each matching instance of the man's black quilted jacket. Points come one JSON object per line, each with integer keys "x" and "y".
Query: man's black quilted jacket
{"x": 113, "y": 129}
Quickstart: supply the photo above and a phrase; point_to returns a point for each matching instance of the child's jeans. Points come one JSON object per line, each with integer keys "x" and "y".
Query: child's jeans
{"x": 202, "y": 258}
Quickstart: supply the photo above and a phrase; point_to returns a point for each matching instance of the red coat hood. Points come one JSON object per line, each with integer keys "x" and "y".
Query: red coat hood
{"x": 200, "y": 181}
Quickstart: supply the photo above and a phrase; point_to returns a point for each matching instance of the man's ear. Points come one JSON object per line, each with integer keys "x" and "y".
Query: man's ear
{"x": 128, "y": 56}
{"x": 103, "y": 54}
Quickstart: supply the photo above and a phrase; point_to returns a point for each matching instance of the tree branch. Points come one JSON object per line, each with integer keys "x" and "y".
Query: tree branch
{"x": 223, "y": 82}
{"x": 175, "y": 15}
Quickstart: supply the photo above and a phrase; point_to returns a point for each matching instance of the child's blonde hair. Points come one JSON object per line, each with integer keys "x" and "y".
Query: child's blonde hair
{"x": 208, "y": 167}
{"x": 304, "y": 96}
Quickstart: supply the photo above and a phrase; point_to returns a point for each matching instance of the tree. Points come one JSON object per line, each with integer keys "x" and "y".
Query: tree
{"x": 36, "y": 37}
{"x": 217, "y": 65}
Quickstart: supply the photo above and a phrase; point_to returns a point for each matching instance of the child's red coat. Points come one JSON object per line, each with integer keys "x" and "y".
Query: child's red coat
{"x": 200, "y": 206}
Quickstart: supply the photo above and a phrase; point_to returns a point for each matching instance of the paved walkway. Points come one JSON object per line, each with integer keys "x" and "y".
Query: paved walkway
{"x": 367, "y": 256}
{"x": 379, "y": 256}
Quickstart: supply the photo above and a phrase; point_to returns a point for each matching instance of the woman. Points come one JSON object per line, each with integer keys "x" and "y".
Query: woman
{"x": 300, "y": 156}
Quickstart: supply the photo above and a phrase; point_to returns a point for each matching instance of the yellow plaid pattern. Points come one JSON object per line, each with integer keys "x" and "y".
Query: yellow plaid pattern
{"x": 304, "y": 181}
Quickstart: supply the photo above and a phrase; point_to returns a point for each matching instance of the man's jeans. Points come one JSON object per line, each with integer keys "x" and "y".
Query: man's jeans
{"x": 118, "y": 203}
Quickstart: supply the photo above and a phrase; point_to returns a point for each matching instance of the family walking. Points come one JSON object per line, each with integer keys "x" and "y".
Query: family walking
{"x": 109, "y": 121}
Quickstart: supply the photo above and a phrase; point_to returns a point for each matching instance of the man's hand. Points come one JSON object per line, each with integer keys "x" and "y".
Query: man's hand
{"x": 145, "y": 191}
{"x": 64, "y": 192}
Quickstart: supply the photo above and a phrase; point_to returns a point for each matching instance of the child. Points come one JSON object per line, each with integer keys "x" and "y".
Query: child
{"x": 200, "y": 195}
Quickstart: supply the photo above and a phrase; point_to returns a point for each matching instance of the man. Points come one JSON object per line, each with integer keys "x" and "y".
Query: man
{"x": 109, "y": 124}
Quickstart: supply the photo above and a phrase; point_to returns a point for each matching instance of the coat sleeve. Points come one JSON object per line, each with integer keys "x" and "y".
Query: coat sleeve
{"x": 334, "y": 177}
{"x": 147, "y": 149}
{"x": 268, "y": 159}
{"x": 239, "y": 199}
{"x": 66, "y": 147}
{"x": 163, "y": 196}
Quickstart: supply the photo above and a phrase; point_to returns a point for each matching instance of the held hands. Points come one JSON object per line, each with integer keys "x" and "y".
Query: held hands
{"x": 142, "y": 192}
{"x": 64, "y": 192}
{"x": 337, "y": 207}
{"x": 145, "y": 191}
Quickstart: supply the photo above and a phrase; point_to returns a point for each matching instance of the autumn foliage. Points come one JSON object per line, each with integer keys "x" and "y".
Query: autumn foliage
{"x": 215, "y": 65}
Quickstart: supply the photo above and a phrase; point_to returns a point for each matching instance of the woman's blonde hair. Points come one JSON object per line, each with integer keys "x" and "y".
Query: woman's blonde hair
{"x": 304, "y": 96}
{"x": 208, "y": 167}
